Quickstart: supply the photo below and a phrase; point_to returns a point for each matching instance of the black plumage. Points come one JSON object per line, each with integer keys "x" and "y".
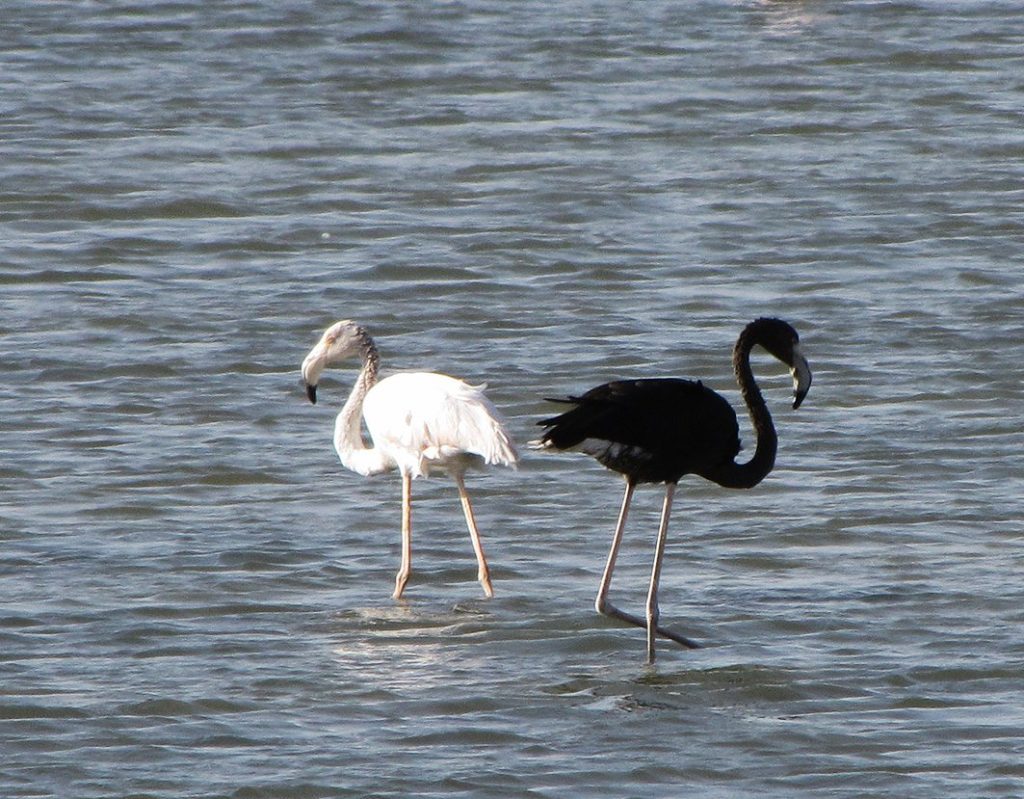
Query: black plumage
{"x": 654, "y": 430}
{"x": 657, "y": 430}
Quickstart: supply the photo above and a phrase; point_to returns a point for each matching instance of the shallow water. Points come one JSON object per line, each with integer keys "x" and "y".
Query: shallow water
{"x": 540, "y": 197}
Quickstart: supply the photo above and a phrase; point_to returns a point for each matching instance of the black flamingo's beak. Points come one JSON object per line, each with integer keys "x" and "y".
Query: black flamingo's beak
{"x": 798, "y": 398}
{"x": 311, "y": 392}
{"x": 801, "y": 377}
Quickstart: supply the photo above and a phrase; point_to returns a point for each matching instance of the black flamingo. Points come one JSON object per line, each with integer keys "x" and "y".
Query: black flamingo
{"x": 659, "y": 429}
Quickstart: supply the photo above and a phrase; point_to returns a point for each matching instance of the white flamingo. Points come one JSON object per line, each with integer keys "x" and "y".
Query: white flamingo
{"x": 417, "y": 421}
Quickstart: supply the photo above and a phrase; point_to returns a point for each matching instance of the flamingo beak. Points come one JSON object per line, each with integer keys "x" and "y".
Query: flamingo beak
{"x": 801, "y": 377}
{"x": 312, "y": 367}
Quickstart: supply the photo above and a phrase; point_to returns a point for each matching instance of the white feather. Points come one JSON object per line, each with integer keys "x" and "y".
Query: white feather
{"x": 416, "y": 420}
{"x": 419, "y": 420}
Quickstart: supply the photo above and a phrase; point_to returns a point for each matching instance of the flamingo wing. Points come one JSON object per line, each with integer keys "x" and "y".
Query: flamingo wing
{"x": 420, "y": 419}
{"x": 655, "y": 429}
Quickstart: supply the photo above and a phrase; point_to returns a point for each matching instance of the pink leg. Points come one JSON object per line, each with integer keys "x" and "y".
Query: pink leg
{"x": 483, "y": 573}
{"x": 406, "y": 568}
{"x": 659, "y": 553}
{"x": 603, "y": 605}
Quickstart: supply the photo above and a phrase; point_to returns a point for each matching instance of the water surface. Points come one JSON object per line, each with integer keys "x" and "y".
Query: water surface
{"x": 540, "y": 197}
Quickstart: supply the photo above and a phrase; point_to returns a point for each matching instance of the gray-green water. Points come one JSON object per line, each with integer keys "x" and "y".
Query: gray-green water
{"x": 542, "y": 196}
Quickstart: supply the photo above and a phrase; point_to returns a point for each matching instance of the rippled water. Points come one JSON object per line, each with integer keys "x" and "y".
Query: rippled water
{"x": 540, "y": 196}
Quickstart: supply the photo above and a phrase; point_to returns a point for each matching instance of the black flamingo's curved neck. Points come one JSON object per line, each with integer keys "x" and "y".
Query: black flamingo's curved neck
{"x": 749, "y": 474}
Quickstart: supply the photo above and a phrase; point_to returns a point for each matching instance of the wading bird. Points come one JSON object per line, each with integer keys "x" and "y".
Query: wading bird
{"x": 417, "y": 421}
{"x": 659, "y": 429}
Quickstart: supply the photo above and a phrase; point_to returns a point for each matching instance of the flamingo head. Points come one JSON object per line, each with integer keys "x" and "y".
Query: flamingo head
{"x": 338, "y": 343}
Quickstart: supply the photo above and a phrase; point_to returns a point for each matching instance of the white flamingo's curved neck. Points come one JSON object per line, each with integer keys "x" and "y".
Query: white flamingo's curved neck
{"x": 348, "y": 433}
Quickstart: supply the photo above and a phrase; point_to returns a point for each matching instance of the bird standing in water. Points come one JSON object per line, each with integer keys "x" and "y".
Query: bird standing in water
{"x": 659, "y": 429}
{"x": 417, "y": 421}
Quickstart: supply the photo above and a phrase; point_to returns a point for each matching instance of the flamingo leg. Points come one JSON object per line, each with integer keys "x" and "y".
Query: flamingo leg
{"x": 406, "y": 568}
{"x": 483, "y": 573}
{"x": 601, "y": 604}
{"x": 604, "y": 606}
{"x": 653, "y": 612}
